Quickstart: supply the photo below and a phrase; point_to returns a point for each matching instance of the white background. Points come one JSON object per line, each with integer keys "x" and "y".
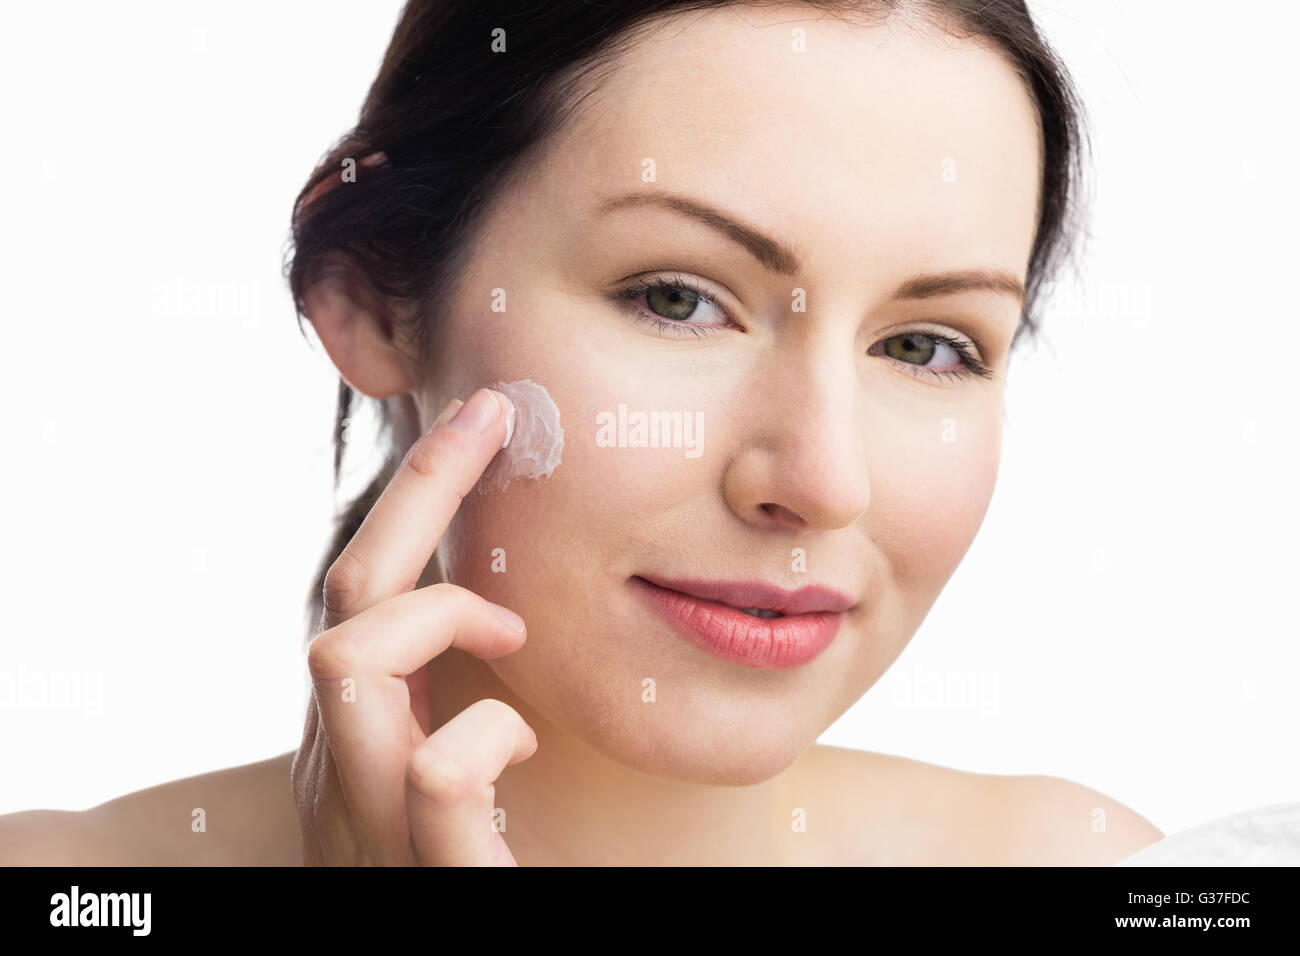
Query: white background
{"x": 1125, "y": 618}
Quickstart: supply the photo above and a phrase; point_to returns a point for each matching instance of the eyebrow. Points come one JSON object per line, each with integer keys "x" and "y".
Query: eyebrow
{"x": 776, "y": 256}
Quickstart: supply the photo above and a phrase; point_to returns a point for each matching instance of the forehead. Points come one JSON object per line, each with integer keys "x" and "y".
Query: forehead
{"x": 894, "y": 141}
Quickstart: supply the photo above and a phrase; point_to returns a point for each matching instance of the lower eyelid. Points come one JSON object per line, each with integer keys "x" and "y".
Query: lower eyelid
{"x": 951, "y": 374}
{"x": 632, "y": 298}
{"x": 668, "y": 326}
{"x": 944, "y": 374}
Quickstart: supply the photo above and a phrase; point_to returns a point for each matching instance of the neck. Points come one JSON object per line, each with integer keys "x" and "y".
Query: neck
{"x": 569, "y": 804}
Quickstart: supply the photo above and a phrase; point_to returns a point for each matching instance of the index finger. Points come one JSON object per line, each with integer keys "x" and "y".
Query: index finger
{"x": 389, "y": 551}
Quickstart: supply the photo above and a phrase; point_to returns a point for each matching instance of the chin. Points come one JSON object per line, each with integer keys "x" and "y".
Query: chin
{"x": 735, "y": 758}
{"x": 695, "y": 730}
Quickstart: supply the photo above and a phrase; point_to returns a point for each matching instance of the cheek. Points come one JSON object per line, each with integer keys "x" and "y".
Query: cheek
{"x": 566, "y": 533}
{"x": 598, "y": 498}
{"x": 559, "y": 550}
{"x": 931, "y": 483}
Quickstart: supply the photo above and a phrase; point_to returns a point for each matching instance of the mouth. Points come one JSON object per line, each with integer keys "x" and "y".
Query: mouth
{"x": 758, "y": 598}
{"x": 749, "y": 622}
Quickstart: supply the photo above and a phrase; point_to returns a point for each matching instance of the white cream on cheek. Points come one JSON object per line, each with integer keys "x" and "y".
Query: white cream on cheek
{"x": 533, "y": 449}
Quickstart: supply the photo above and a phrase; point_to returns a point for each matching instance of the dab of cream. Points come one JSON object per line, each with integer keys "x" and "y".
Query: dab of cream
{"x": 533, "y": 449}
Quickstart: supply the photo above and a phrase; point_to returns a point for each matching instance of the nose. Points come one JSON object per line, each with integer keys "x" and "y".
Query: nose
{"x": 801, "y": 461}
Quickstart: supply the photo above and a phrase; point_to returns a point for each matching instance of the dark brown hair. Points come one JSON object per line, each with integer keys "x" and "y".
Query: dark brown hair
{"x": 456, "y": 120}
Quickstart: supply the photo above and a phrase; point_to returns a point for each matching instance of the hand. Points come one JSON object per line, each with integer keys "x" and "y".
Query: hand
{"x": 372, "y": 785}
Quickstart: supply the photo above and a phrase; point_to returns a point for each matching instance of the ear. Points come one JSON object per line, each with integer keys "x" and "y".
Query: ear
{"x": 358, "y": 342}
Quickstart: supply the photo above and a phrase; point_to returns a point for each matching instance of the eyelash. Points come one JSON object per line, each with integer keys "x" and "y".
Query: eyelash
{"x": 643, "y": 286}
{"x": 971, "y": 363}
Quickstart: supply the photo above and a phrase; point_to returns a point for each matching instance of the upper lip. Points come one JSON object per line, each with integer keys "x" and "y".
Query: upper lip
{"x": 759, "y": 595}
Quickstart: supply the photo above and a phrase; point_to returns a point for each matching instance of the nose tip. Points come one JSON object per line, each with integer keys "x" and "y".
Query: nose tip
{"x": 802, "y": 465}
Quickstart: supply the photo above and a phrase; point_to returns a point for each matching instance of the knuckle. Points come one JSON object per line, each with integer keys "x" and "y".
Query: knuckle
{"x": 453, "y": 594}
{"x": 457, "y": 603}
{"x": 327, "y": 657}
{"x": 507, "y": 721}
{"x": 499, "y": 709}
{"x": 345, "y": 583}
{"x": 440, "y": 779}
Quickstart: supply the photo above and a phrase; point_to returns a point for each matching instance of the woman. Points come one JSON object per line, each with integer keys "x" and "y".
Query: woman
{"x": 813, "y": 231}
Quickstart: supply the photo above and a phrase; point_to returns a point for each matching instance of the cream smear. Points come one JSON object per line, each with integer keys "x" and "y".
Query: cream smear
{"x": 532, "y": 450}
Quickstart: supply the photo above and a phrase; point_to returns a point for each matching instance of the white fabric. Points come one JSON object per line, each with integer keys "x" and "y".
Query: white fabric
{"x": 1264, "y": 836}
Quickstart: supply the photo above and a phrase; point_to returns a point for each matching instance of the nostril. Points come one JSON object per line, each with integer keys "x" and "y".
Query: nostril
{"x": 778, "y": 511}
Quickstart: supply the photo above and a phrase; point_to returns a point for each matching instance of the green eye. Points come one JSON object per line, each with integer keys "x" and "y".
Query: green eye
{"x": 672, "y": 302}
{"x": 913, "y": 347}
{"x": 933, "y": 355}
{"x": 675, "y": 305}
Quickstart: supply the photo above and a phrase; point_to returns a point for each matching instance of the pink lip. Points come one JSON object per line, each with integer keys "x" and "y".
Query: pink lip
{"x": 708, "y": 614}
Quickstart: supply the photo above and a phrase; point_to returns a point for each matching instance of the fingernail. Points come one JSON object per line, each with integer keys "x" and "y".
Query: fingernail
{"x": 446, "y": 413}
{"x": 510, "y": 418}
{"x": 477, "y": 414}
{"x": 510, "y": 617}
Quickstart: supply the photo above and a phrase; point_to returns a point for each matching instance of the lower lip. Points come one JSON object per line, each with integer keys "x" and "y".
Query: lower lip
{"x": 771, "y": 643}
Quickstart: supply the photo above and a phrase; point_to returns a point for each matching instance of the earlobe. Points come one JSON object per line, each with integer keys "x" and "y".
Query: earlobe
{"x": 357, "y": 342}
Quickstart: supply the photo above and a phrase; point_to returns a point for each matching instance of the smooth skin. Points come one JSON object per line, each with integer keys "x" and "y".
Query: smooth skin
{"x": 815, "y": 439}
{"x": 372, "y": 785}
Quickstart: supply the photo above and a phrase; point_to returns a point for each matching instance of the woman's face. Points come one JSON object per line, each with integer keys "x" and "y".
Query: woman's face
{"x": 871, "y": 157}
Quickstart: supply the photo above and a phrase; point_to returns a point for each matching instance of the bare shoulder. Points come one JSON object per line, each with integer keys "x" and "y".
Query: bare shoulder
{"x": 1051, "y": 821}
{"x": 52, "y": 838}
{"x": 886, "y": 810}
{"x": 247, "y": 814}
